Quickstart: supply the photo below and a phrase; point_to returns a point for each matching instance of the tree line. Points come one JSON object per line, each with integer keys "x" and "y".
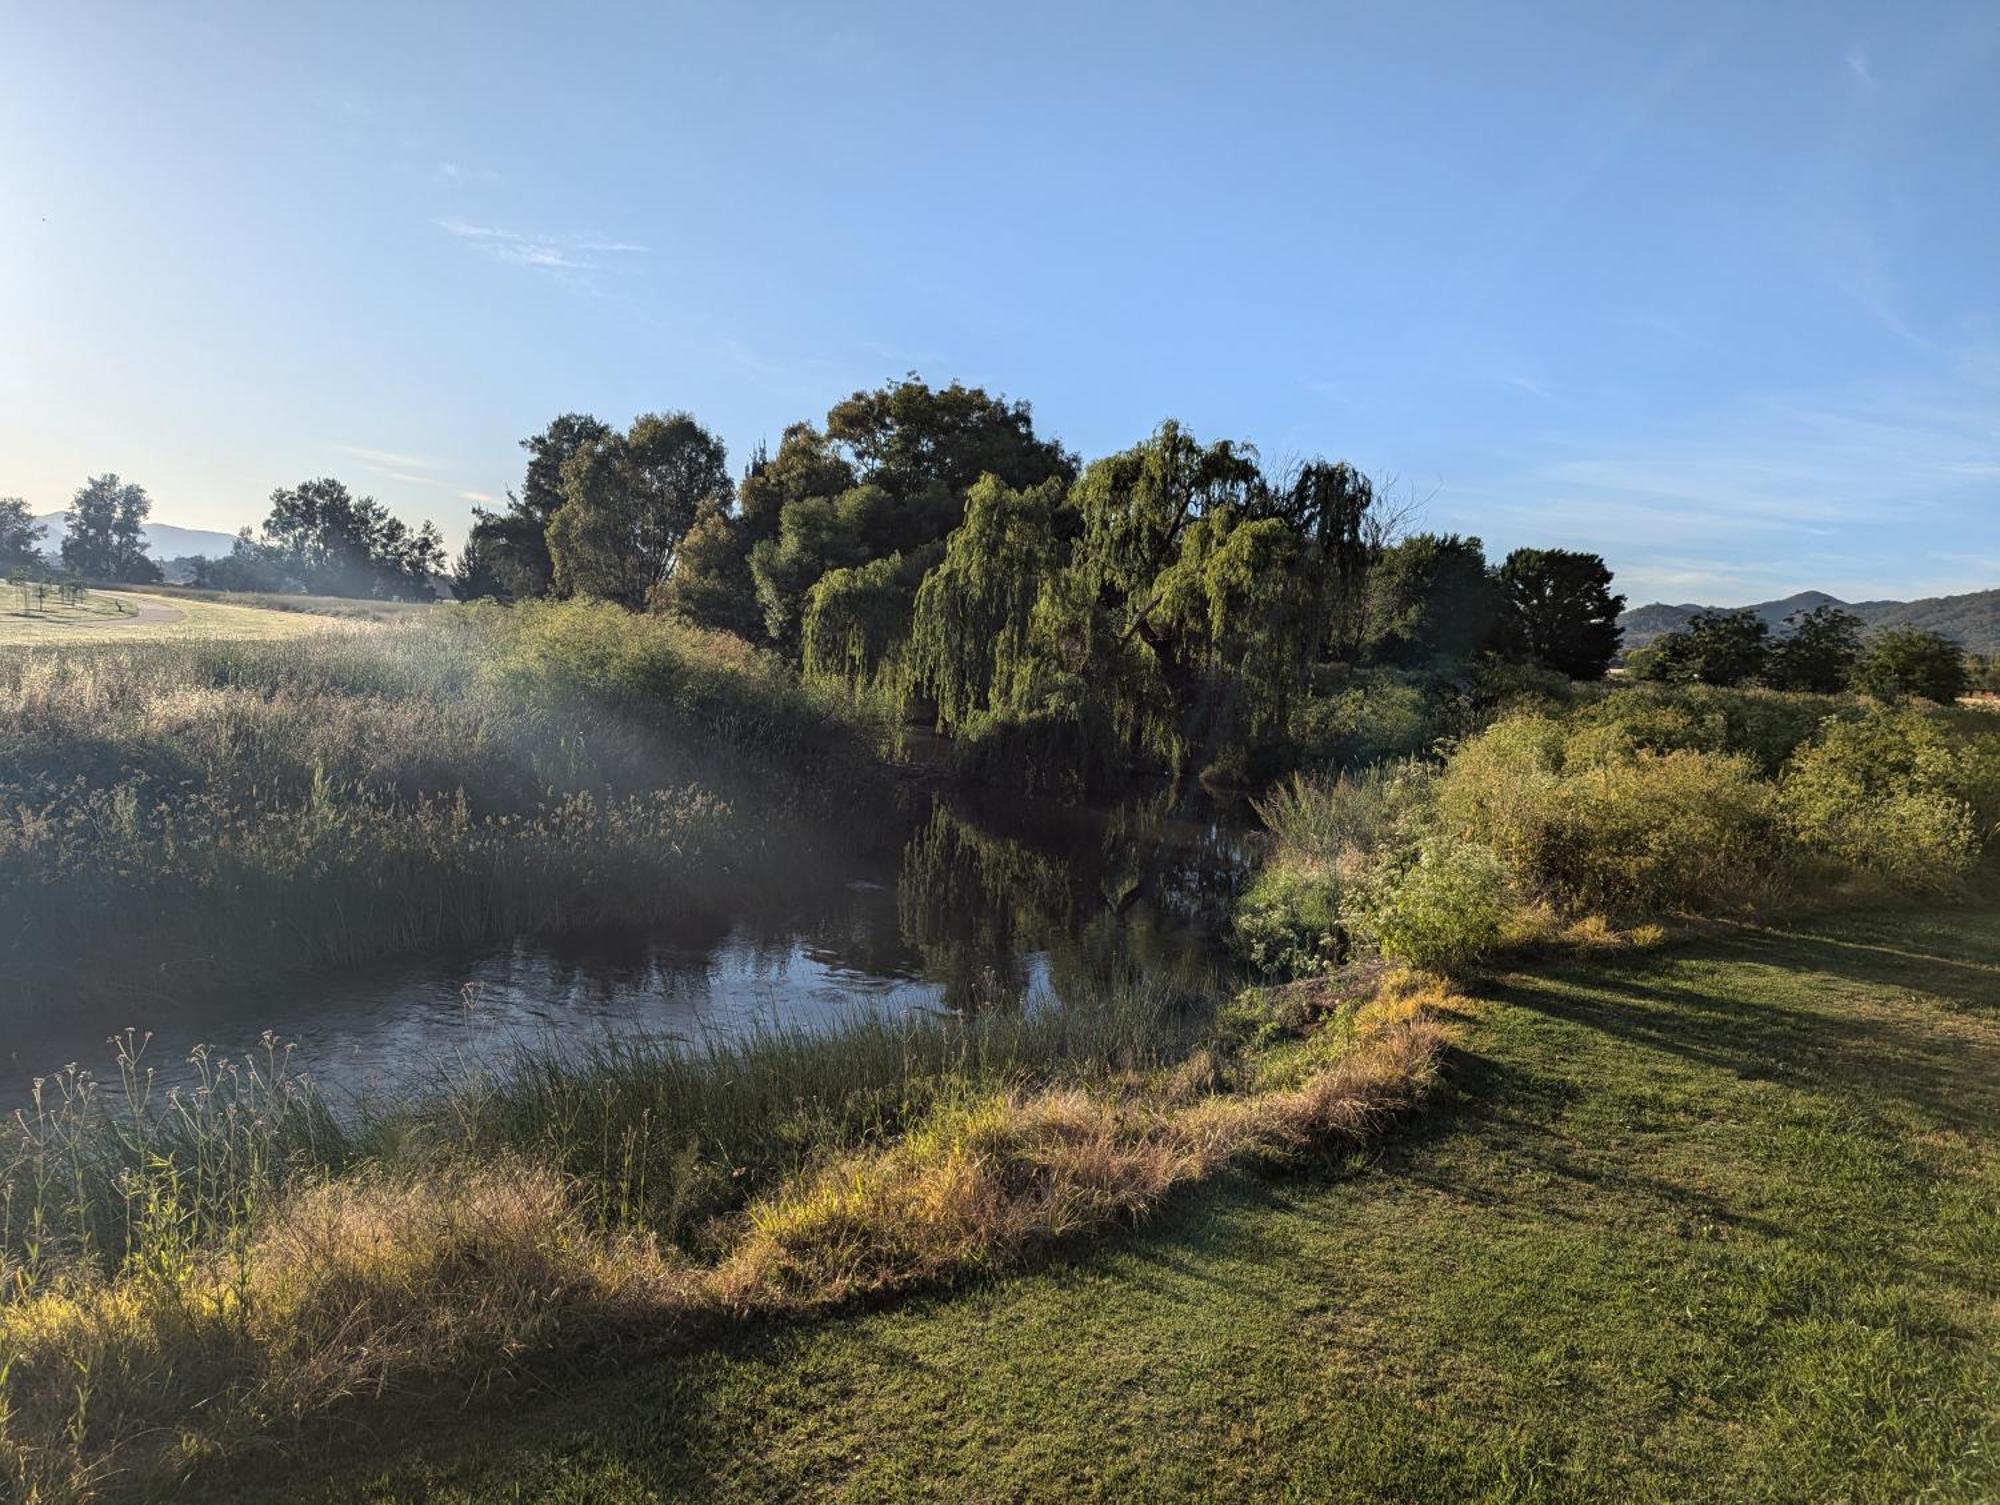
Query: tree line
{"x": 318, "y": 538}
{"x": 104, "y": 538}
{"x": 1825, "y": 653}
{"x": 1177, "y": 603}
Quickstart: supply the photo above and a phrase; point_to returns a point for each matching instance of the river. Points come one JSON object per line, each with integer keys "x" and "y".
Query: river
{"x": 959, "y": 905}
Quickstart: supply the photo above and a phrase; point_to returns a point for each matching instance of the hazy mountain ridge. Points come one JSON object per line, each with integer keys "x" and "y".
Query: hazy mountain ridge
{"x": 1972, "y": 619}
{"x": 164, "y": 541}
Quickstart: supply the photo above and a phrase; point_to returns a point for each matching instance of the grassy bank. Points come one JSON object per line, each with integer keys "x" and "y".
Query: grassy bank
{"x": 187, "y": 815}
{"x": 187, "y": 1278}
{"x": 129, "y": 617}
{"x": 1712, "y": 1223}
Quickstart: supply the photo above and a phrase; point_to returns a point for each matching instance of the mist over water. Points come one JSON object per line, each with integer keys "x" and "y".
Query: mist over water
{"x": 959, "y": 905}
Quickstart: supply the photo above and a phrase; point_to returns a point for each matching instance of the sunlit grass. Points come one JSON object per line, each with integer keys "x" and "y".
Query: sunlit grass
{"x": 181, "y": 1277}
{"x": 136, "y": 616}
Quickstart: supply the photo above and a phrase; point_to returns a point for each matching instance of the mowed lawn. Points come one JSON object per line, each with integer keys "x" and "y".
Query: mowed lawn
{"x": 125, "y": 616}
{"x": 1721, "y": 1222}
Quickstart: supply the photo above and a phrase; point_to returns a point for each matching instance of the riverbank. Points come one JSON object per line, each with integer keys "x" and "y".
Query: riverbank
{"x": 177, "y": 818}
{"x": 190, "y": 1277}
{"x": 1710, "y": 1223}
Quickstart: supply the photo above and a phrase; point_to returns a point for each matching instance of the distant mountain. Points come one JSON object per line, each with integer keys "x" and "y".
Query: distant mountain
{"x": 1973, "y": 620}
{"x": 164, "y": 541}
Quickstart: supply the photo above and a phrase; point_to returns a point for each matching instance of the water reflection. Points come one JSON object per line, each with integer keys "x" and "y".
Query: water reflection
{"x": 959, "y": 905}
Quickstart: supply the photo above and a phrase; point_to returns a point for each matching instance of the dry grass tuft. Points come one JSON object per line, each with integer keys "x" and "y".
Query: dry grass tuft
{"x": 426, "y": 1282}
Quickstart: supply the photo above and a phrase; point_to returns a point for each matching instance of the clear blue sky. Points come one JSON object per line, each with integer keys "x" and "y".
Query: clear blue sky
{"x": 1714, "y": 289}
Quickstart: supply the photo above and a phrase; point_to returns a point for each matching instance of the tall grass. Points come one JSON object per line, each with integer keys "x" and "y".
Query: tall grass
{"x": 183, "y": 1272}
{"x": 191, "y": 813}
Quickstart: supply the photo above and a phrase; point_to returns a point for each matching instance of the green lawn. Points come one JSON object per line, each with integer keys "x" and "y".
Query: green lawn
{"x": 1720, "y": 1223}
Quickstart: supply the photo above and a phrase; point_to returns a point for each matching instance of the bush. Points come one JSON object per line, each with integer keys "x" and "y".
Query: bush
{"x": 1443, "y": 912}
{"x": 1901, "y": 662}
{"x": 1897, "y": 793}
{"x": 1288, "y": 924}
{"x": 1765, "y": 725}
{"x": 1591, "y": 820}
{"x": 1363, "y": 724}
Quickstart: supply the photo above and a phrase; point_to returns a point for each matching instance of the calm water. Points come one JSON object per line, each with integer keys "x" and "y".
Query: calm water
{"x": 955, "y": 906}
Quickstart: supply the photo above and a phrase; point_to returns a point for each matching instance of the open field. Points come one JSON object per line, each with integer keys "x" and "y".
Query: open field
{"x": 356, "y": 607}
{"x": 134, "y": 616}
{"x": 1717, "y": 1223}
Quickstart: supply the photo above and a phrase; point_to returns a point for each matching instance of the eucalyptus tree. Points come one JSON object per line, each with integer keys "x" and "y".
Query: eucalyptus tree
{"x": 105, "y": 537}
{"x": 628, "y": 501}
{"x": 20, "y": 538}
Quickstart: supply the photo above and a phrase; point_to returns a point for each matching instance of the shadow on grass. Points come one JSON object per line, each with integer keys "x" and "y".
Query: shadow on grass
{"x": 1826, "y": 1012}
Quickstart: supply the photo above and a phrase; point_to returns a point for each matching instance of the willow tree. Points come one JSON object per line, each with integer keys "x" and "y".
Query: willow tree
{"x": 971, "y": 639}
{"x": 855, "y": 627}
{"x": 1237, "y": 606}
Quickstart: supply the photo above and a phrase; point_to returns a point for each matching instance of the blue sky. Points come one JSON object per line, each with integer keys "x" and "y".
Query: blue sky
{"x": 1713, "y": 289}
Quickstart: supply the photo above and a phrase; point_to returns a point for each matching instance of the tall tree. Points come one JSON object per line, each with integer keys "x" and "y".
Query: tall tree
{"x": 908, "y": 453}
{"x": 334, "y": 543}
{"x": 1560, "y": 610}
{"x": 1715, "y": 648}
{"x": 1900, "y": 662}
{"x": 506, "y": 554}
{"x": 910, "y": 438}
{"x": 106, "y": 531}
{"x": 1820, "y": 654}
{"x": 1432, "y": 603}
{"x": 628, "y": 502}
{"x": 20, "y": 538}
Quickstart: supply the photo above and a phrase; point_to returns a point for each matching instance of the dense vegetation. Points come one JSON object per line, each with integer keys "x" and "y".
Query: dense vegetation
{"x": 1824, "y": 652}
{"x": 1174, "y": 607}
{"x": 1627, "y": 807}
{"x": 187, "y": 814}
{"x": 320, "y": 540}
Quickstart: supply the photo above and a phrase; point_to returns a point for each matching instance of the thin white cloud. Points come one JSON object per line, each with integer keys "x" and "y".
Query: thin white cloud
{"x": 1859, "y": 70}
{"x": 477, "y": 496}
{"x": 388, "y": 459}
{"x": 566, "y": 253}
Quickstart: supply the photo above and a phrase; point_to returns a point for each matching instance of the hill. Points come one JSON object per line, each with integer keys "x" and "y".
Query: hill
{"x": 164, "y": 541}
{"x": 1972, "y": 619}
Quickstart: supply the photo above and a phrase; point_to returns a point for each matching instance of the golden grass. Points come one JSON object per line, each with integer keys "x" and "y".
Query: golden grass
{"x": 134, "y": 616}
{"x": 417, "y": 1282}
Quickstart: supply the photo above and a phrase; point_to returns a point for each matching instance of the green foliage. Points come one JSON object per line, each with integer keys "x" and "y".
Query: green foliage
{"x": 1715, "y": 648}
{"x": 1432, "y": 600}
{"x": 1900, "y": 662}
{"x": 1290, "y": 922}
{"x": 1376, "y": 717}
{"x": 857, "y": 622}
{"x": 506, "y": 555}
{"x": 1896, "y": 793}
{"x": 628, "y": 501}
{"x": 1599, "y": 823}
{"x": 972, "y": 628}
{"x": 1820, "y": 654}
{"x": 1560, "y": 610}
{"x": 1765, "y": 726}
{"x": 1340, "y": 847}
{"x": 20, "y": 538}
{"x": 105, "y": 538}
{"x": 1442, "y": 912}
{"x": 321, "y": 540}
